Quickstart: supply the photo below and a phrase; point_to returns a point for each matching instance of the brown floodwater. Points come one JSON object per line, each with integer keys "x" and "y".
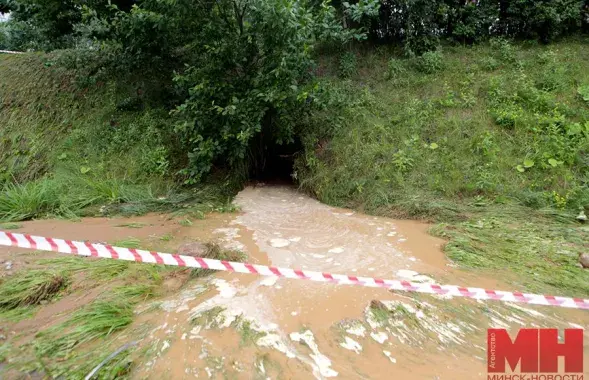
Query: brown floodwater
{"x": 247, "y": 327}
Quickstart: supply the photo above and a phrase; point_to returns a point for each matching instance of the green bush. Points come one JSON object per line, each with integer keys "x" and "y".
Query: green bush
{"x": 235, "y": 95}
{"x": 348, "y": 65}
{"x": 395, "y": 69}
{"x": 430, "y": 62}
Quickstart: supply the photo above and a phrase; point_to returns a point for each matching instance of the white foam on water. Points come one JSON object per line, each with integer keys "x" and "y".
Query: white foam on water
{"x": 414, "y": 276}
{"x": 336, "y": 250}
{"x": 380, "y": 336}
{"x": 269, "y": 281}
{"x": 273, "y": 340}
{"x": 279, "y": 243}
{"x": 356, "y": 329}
{"x": 225, "y": 289}
{"x": 352, "y": 345}
{"x": 322, "y": 362}
{"x": 388, "y": 355}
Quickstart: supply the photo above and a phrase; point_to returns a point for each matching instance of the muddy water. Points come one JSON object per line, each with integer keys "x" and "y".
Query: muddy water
{"x": 246, "y": 327}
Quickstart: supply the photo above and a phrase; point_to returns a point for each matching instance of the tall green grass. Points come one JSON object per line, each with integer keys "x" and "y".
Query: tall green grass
{"x": 499, "y": 122}
{"x": 483, "y": 138}
{"x": 28, "y": 288}
{"x": 97, "y": 320}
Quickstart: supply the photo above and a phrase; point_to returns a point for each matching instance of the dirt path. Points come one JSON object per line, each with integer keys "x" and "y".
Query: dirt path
{"x": 241, "y": 326}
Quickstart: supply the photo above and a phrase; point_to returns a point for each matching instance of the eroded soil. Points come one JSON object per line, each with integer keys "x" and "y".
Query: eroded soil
{"x": 247, "y": 327}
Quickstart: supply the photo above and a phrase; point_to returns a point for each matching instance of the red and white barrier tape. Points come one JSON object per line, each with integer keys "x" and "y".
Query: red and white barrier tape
{"x": 130, "y": 254}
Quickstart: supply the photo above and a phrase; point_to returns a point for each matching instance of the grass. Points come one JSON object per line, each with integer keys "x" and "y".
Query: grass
{"x": 215, "y": 251}
{"x": 73, "y": 151}
{"x": 248, "y": 335}
{"x": 541, "y": 249}
{"x": 495, "y": 131}
{"x": 68, "y": 349}
{"x": 17, "y": 314}
{"x": 10, "y": 226}
{"x": 97, "y": 320}
{"x": 132, "y": 225}
{"x": 130, "y": 242}
{"x": 27, "y": 288}
{"x": 72, "y": 347}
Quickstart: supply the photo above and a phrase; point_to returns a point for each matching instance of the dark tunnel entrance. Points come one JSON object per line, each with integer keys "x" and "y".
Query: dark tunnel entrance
{"x": 273, "y": 162}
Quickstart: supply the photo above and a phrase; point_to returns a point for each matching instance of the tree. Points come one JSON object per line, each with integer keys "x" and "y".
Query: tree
{"x": 252, "y": 61}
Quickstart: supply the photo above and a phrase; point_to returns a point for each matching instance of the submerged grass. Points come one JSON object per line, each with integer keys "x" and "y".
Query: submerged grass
{"x": 27, "y": 288}
{"x": 71, "y": 348}
{"x": 217, "y": 252}
{"x": 97, "y": 320}
{"x": 540, "y": 249}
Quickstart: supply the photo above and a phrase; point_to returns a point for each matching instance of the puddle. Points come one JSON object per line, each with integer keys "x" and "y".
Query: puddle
{"x": 242, "y": 326}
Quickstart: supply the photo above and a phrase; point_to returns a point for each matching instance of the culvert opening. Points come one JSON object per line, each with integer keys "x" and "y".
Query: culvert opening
{"x": 274, "y": 162}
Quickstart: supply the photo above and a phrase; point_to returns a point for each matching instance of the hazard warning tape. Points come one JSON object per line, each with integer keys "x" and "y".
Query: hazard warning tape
{"x": 130, "y": 254}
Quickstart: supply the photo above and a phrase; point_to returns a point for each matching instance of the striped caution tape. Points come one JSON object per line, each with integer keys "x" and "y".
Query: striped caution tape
{"x": 130, "y": 254}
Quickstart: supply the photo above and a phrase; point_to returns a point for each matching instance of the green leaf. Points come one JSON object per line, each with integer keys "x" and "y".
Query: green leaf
{"x": 62, "y": 156}
{"x": 584, "y": 92}
{"x": 433, "y": 146}
{"x": 528, "y": 163}
{"x": 553, "y": 162}
{"x": 520, "y": 168}
{"x": 84, "y": 169}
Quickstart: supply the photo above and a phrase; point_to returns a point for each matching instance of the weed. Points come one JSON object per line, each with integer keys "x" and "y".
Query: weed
{"x": 215, "y": 251}
{"x": 489, "y": 64}
{"x": 395, "y": 69}
{"x": 10, "y": 226}
{"x": 583, "y": 91}
{"x": 97, "y": 320}
{"x": 130, "y": 242}
{"x": 132, "y": 225}
{"x": 185, "y": 222}
{"x": 505, "y": 51}
{"x": 430, "y": 62}
{"x": 30, "y": 288}
{"x": 382, "y": 316}
{"x": 208, "y": 317}
{"x": 248, "y": 335}
{"x": 166, "y": 237}
{"x": 348, "y": 65}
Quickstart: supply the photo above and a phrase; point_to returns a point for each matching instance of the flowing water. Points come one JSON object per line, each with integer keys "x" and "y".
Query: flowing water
{"x": 248, "y": 327}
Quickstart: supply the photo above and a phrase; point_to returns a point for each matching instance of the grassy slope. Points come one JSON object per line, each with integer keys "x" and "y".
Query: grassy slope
{"x": 64, "y": 149}
{"x": 446, "y": 145}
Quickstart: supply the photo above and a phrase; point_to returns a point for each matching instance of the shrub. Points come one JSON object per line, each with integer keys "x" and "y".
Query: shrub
{"x": 430, "y": 62}
{"x": 347, "y": 65}
{"x": 395, "y": 68}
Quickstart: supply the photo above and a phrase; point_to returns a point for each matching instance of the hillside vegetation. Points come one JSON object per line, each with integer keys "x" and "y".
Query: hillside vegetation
{"x": 69, "y": 150}
{"x": 473, "y": 115}
{"x": 492, "y": 141}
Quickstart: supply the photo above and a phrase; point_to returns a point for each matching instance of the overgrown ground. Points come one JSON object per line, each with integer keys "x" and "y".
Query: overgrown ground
{"x": 93, "y": 303}
{"x": 491, "y": 140}
{"x": 70, "y": 148}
